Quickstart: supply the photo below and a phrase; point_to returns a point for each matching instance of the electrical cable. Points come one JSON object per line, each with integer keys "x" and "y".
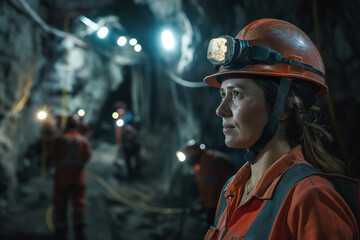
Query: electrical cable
{"x": 48, "y": 28}
{"x": 27, "y": 88}
{"x": 48, "y": 219}
{"x": 81, "y": 43}
{"x": 183, "y": 82}
{"x": 131, "y": 203}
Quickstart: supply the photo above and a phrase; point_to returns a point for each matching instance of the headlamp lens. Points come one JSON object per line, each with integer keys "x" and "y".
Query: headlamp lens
{"x": 217, "y": 50}
{"x": 221, "y": 50}
{"x": 227, "y": 51}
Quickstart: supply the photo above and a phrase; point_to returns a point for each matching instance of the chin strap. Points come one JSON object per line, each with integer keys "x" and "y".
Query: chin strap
{"x": 271, "y": 126}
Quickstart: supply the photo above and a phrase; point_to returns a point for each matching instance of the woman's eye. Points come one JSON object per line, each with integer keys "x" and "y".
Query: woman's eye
{"x": 236, "y": 94}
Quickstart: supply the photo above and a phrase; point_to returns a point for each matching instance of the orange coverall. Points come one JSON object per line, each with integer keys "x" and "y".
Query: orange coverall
{"x": 211, "y": 173}
{"x": 313, "y": 209}
{"x": 69, "y": 154}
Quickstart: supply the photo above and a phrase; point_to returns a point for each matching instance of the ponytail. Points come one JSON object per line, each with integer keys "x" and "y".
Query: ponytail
{"x": 301, "y": 124}
{"x": 315, "y": 152}
{"x": 310, "y": 135}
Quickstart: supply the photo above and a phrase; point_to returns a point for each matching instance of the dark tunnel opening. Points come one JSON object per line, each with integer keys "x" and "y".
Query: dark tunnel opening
{"x": 104, "y": 127}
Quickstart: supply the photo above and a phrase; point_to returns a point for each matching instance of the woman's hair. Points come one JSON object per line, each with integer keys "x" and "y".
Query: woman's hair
{"x": 302, "y": 124}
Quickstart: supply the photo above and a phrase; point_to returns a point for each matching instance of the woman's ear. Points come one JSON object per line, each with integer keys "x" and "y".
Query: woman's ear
{"x": 284, "y": 116}
{"x": 287, "y": 108}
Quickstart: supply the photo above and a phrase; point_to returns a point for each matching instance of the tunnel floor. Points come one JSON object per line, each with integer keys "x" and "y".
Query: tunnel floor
{"x": 117, "y": 207}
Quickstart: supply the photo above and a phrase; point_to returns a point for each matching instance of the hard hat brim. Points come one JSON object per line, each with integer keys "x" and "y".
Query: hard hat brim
{"x": 213, "y": 79}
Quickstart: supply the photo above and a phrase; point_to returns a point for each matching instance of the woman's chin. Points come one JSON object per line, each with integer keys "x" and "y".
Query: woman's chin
{"x": 234, "y": 144}
{"x": 230, "y": 144}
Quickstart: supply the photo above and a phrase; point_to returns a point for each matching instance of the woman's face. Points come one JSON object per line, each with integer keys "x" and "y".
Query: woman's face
{"x": 243, "y": 110}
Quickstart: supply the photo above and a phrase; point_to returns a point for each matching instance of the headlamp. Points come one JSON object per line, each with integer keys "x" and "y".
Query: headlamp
{"x": 81, "y": 112}
{"x": 120, "y": 123}
{"x": 223, "y": 50}
{"x": 236, "y": 53}
{"x": 181, "y": 156}
{"x": 42, "y": 115}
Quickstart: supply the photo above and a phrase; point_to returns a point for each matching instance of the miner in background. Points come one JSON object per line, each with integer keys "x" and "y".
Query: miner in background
{"x": 69, "y": 153}
{"x": 128, "y": 142}
{"x": 123, "y": 111}
{"x": 212, "y": 170}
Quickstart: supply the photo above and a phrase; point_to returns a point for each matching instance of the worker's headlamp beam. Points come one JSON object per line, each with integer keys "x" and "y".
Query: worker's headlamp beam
{"x": 181, "y": 156}
{"x": 236, "y": 53}
{"x": 42, "y": 115}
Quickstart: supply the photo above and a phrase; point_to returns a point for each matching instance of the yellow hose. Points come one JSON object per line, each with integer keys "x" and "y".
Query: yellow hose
{"x": 48, "y": 219}
{"x": 117, "y": 196}
{"x": 131, "y": 203}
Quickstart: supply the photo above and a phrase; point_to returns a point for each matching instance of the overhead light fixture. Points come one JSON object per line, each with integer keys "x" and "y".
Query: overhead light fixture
{"x": 167, "y": 39}
{"x": 121, "y": 41}
{"x": 137, "y": 48}
{"x": 133, "y": 42}
{"x": 103, "y": 32}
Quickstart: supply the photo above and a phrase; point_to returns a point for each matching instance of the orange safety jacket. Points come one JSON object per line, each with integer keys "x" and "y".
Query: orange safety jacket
{"x": 69, "y": 154}
{"x": 211, "y": 173}
{"x": 312, "y": 209}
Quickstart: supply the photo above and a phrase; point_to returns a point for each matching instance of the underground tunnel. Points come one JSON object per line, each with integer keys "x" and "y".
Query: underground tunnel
{"x": 137, "y": 67}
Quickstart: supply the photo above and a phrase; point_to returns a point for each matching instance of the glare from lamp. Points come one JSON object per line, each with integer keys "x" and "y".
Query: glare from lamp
{"x": 121, "y": 41}
{"x": 167, "y": 39}
{"x": 181, "y": 156}
{"x": 81, "y": 112}
{"x": 115, "y": 115}
{"x": 137, "y": 48}
{"x": 190, "y": 142}
{"x": 103, "y": 32}
{"x": 120, "y": 123}
{"x": 42, "y": 115}
{"x": 133, "y": 42}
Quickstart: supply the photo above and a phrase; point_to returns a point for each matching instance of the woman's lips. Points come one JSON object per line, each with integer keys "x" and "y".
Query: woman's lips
{"x": 227, "y": 128}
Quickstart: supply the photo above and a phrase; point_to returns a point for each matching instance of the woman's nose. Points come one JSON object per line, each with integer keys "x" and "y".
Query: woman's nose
{"x": 223, "y": 109}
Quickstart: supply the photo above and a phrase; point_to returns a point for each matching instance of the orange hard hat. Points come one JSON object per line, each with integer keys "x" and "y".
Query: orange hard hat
{"x": 302, "y": 59}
